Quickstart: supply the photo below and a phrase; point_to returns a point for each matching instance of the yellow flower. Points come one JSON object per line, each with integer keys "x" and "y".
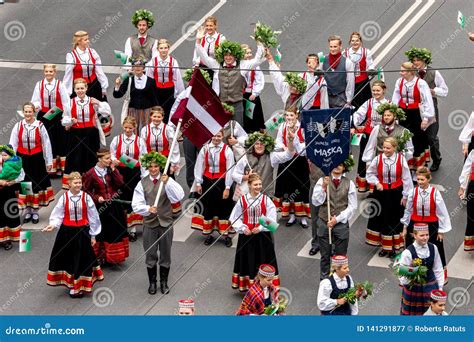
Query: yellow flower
{"x": 417, "y": 262}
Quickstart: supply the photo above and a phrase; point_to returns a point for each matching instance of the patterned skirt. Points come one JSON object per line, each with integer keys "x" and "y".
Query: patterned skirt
{"x": 10, "y": 225}
{"x": 73, "y": 263}
{"x": 416, "y": 300}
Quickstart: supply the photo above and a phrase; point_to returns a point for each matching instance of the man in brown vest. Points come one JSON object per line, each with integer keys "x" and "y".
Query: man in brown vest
{"x": 157, "y": 220}
{"x": 421, "y": 58}
{"x": 343, "y": 204}
{"x": 141, "y": 45}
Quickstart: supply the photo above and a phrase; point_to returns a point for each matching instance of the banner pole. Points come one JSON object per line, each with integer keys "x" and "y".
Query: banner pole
{"x": 329, "y": 212}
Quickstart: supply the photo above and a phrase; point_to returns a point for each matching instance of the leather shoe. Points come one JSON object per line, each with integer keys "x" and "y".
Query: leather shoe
{"x": 313, "y": 251}
{"x": 435, "y": 166}
{"x": 76, "y": 295}
{"x": 152, "y": 288}
{"x": 7, "y": 245}
{"x": 228, "y": 241}
{"x": 383, "y": 253}
{"x": 209, "y": 240}
{"x": 35, "y": 218}
{"x": 132, "y": 236}
{"x": 304, "y": 225}
{"x": 27, "y": 218}
{"x": 290, "y": 223}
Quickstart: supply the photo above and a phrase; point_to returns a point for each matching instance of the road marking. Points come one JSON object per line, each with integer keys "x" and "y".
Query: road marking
{"x": 195, "y": 26}
{"x": 460, "y": 265}
{"x": 377, "y": 261}
{"x": 395, "y": 26}
{"x": 404, "y": 31}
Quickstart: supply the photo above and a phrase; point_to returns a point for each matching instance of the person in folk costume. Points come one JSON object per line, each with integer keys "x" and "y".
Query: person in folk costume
{"x": 235, "y": 136}
{"x": 364, "y": 66}
{"x": 164, "y": 70}
{"x": 261, "y": 294}
{"x": 81, "y": 122}
{"x": 209, "y": 42}
{"x": 254, "y": 84}
{"x": 389, "y": 127}
{"x": 157, "y": 219}
{"x": 158, "y": 137}
{"x": 391, "y": 178}
{"x": 141, "y": 45}
{"x": 255, "y": 245}
{"x": 343, "y": 204}
{"x": 84, "y": 62}
{"x": 186, "y": 307}
{"x": 421, "y": 59}
{"x": 260, "y": 158}
{"x": 292, "y": 184}
{"x": 103, "y": 183}
{"x": 426, "y": 205}
{"x": 29, "y": 138}
{"x": 416, "y": 297}
{"x": 230, "y": 69}
{"x": 412, "y": 94}
{"x": 339, "y": 75}
{"x": 190, "y": 150}
{"x": 466, "y": 137}
{"x": 73, "y": 262}
{"x": 48, "y": 94}
{"x": 365, "y": 119}
{"x": 316, "y": 94}
{"x": 213, "y": 180}
{"x": 438, "y": 304}
{"x": 466, "y": 192}
{"x": 142, "y": 93}
{"x": 294, "y": 90}
{"x": 129, "y": 145}
{"x": 338, "y": 283}
{"x": 10, "y": 224}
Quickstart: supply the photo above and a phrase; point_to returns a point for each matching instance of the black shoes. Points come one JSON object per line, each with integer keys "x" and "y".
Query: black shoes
{"x": 132, "y": 236}
{"x": 304, "y": 225}
{"x": 209, "y": 240}
{"x": 152, "y": 280}
{"x": 313, "y": 251}
{"x": 290, "y": 223}
{"x": 228, "y": 241}
{"x": 76, "y": 295}
{"x": 164, "y": 280}
{"x": 27, "y": 218}
{"x": 7, "y": 245}
{"x": 435, "y": 166}
{"x": 383, "y": 253}
{"x": 389, "y": 254}
{"x": 35, "y": 218}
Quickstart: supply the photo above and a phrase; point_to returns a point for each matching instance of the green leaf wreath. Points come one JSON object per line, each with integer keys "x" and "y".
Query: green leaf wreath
{"x": 421, "y": 53}
{"x": 229, "y": 47}
{"x": 143, "y": 14}
{"x": 349, "y": 163}
{"x": 393, "y": 108}
{"x": 188, "y": 74}
{"x": 266, "y": 140}
{"x": 153, "y": 157}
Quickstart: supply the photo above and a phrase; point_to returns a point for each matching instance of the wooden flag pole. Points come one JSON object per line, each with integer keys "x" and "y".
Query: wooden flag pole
{"x": 329, "y": 211}
{"x": 167, "y": 166}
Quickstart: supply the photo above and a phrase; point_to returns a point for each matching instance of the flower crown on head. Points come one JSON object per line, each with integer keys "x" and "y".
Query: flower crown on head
{"x": 143, "y": 14}
{"x": 153, "y": 158}
{"x": 229, "y": 47}
{"x": 421, "y": 53}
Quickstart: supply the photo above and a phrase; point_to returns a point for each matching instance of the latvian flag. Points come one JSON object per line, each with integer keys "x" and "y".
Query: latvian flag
{"x": 201, "y": 110}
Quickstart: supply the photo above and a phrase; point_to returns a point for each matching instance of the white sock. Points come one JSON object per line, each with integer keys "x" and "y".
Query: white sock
{"x": 292, "y": 218}
{"x": 303, "y": 220}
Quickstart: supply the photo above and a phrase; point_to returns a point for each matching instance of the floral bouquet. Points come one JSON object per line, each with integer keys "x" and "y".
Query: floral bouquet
{"x": 188, "y": 74}
{"x": 228, "y": 109}
{"x": 403, "y": 139}
{"x": 265, "y": 35}
{"x": 415, "y": 273}
{"x": 276, "y": 309}
{"x": 358, "y": 292}
{"x": 294, "y": 80}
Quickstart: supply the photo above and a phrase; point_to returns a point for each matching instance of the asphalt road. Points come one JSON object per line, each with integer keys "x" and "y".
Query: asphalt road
{"x": 44, "y": 33}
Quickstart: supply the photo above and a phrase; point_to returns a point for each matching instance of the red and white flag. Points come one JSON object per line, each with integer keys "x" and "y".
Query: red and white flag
{"x": 201, "y": 110}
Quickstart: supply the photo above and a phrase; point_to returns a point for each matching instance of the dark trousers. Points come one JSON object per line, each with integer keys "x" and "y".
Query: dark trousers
{"x": 337, "y": 101}
{"x": 433, "y": 140}
{"x": 190, "y": 156}
{"x": 340, "y": 239}
{"x": 165, "y": 237}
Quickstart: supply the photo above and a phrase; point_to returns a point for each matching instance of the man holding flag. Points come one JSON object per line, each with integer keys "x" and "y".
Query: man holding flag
{"x": 327, "y": 146}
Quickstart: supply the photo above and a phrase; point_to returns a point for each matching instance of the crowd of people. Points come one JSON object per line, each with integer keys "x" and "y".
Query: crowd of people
{"x": 243, "y": 178}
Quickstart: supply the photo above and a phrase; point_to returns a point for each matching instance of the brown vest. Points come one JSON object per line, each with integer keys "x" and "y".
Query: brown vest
{"x": 397, "y": 132}
{"x": 430, "y": 79}
{"x": 164, "y": 216}
{"x": 339, "y": 199}
{"x": 264, "y": 168}
{"x": 142, "y": 51}
{"x": 231, "y": 83}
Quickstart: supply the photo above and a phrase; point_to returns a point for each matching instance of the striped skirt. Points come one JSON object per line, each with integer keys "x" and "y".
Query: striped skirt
{"x": 416, "y": 301}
